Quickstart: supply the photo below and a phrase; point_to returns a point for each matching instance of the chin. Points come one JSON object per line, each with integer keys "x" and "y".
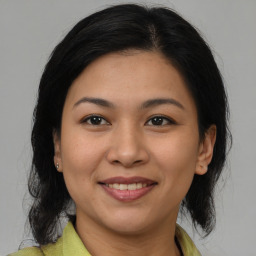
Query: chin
{"x": 127, "y": 229}
{"x": 128, "y": 223}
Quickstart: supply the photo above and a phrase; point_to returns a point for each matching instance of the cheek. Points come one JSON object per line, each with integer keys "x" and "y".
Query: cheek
{"x": 80, "y": 158}
{"x": 177, "y": 150}
{"x": 79, "y": 151}
{"x": 177, "y": 157}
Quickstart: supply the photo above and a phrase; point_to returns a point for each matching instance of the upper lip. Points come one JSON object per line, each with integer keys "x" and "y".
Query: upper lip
{"x": 128, "y": 180}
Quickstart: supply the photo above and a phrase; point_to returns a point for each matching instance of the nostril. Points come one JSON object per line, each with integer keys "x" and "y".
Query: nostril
{"x": 131, "y": 163}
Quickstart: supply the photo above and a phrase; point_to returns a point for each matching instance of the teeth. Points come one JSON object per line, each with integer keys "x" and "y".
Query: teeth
{"x": 123, "y": 186}
{"x": 116, "y": 186}
{"x": 139, "y": 185}
{"x": 132, "y": 186}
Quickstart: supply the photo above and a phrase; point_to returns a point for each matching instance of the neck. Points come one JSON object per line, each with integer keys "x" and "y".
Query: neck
{"x": 159, "y": 240}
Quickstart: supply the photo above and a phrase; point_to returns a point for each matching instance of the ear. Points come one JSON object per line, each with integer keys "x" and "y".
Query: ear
{"x": 205, "y": 152}
{"x": 57, "y": 151}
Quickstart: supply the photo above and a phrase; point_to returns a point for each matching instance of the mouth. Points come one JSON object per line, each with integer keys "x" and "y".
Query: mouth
{"x": 127, "y": 189}
{"x": 133, "y": 186}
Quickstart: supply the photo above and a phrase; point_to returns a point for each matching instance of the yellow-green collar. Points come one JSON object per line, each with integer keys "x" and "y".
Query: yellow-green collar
{"x": 70, "y": 237}
{"x": 71, "y": 244}
{"x": 68, "y": 244}
{"x": 187, "y": 246}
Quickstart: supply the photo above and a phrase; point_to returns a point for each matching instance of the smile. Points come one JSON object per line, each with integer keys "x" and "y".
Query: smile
{"x": 127, "y": 189}
{"x": 132, "y": 186}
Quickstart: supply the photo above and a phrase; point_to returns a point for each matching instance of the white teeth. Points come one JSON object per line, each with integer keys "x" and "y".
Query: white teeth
{"x": 123, "y": 187}
{"x": 139, "y": 185}
{"x": 116, "y": 186}
{"x": 132, "y": 186}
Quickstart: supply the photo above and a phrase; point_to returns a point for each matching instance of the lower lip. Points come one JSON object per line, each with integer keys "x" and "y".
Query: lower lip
{"x": 127, "y": 195}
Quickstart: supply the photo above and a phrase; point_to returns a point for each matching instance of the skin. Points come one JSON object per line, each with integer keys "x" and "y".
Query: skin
{"x": 127, "y": 143}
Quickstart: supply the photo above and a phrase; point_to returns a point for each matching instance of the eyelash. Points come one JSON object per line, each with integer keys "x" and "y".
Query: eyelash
{"x": 167, "y": 120}
{"x": 85, "y": 120}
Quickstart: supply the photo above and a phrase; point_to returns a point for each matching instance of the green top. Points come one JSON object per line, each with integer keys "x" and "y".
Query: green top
{"x": 70, "y": 244}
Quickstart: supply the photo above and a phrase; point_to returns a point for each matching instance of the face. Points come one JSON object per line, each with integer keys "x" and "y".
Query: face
{"x": 129, "y": 145}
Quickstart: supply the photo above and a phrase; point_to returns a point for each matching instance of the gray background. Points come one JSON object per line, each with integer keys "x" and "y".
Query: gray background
{"x": 29, "y": 29}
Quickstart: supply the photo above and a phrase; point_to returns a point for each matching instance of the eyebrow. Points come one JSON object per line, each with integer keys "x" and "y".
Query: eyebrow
{"x": 96, "y": 101}
{"x": 147, "y": 104}
{"x": 161, "y": 101}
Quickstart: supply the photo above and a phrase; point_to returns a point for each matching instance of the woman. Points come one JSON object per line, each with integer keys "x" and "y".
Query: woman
{"x": 131, "y": 127}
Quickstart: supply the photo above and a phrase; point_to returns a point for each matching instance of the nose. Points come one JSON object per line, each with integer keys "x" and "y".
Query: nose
{"x": 127, "y": 147}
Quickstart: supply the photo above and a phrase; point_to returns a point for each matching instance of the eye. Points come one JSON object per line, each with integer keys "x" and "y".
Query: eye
{"x": 95, "y": 120}
{"x": 160, "y": 121}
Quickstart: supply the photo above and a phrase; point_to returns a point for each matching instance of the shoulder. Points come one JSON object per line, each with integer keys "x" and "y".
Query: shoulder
{"x": 30, "y": 251}
{"x": 45, "y": 250}
{"x": 68, "y": 244}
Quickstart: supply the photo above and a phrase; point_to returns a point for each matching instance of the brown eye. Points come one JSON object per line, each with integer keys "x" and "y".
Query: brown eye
{"x": 160, "y": 121}
{"x": 95, "y": 120}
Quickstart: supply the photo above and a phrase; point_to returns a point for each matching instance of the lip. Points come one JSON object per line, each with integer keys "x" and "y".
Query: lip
{"x": 128, "y": 180}
{"x": 127, "y": 195}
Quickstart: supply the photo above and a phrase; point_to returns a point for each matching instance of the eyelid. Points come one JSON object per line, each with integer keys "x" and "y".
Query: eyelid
{"x": 170, "y": 120}
{"x": 86, "y": 118}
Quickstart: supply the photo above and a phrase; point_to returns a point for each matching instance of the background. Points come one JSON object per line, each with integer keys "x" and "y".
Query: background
{"x": 29, "y": 29}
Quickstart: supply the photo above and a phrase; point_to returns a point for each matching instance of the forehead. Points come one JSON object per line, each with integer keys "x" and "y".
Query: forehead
{"x": 130, "y": 77}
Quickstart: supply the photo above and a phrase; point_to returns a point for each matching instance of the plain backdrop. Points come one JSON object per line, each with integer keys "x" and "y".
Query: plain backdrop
{"x": 29, "y": 29}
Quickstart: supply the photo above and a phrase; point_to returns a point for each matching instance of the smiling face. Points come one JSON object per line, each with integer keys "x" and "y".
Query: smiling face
{"x": 129, "y": 144}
